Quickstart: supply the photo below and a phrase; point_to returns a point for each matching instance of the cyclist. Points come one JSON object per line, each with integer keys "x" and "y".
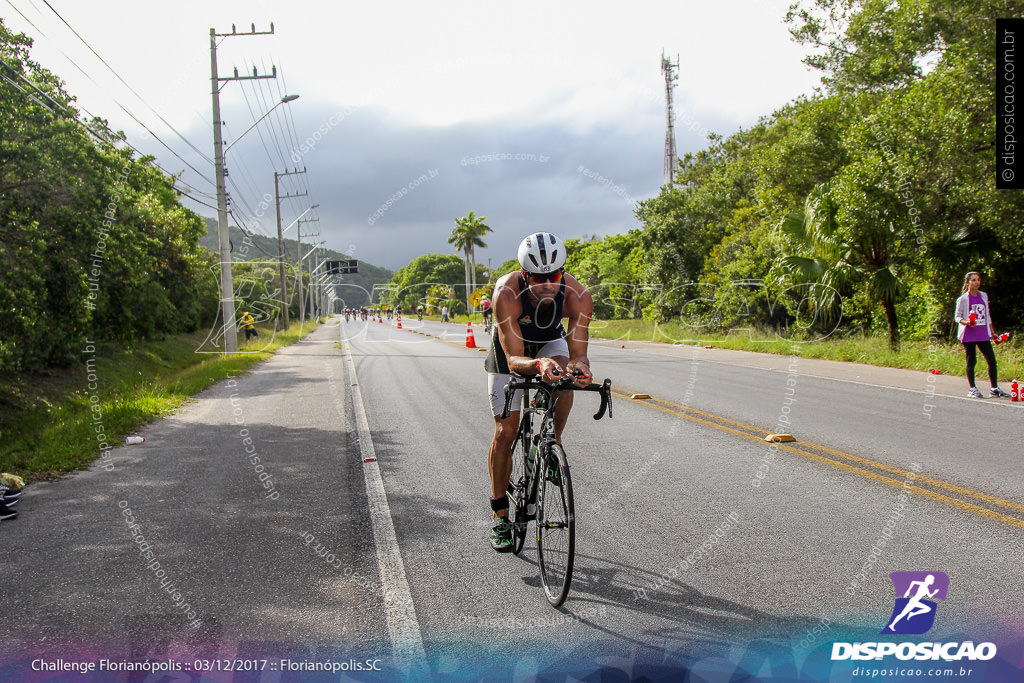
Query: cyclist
{"x": 419, "y": 312}
{"x": 487, "y": 312}
{"x": 529, "y": 339}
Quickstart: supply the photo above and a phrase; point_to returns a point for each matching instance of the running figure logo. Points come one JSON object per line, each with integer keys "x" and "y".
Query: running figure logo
{"x": 914, "y": 613}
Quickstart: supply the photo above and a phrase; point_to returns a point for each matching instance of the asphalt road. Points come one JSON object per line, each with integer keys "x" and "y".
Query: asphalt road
{"x": 364, "y": 534}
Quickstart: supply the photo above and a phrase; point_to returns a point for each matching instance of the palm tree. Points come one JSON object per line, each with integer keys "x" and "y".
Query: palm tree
{"x": 832, "y": 261}
{"x": 465, "y": 237}
{"x": 460, "y": 239}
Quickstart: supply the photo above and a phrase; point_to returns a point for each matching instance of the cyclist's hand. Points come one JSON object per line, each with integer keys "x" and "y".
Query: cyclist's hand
{"x": 549, "y": 370}
{"x": 581, "y": 375}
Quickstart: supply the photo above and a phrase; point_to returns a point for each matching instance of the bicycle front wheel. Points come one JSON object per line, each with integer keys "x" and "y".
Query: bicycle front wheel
{"x": 556, "y": 527}
{"x": 519, "y": 490}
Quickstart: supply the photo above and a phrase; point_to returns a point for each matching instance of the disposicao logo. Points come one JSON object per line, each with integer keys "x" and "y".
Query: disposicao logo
{"x": 914, "y": 614}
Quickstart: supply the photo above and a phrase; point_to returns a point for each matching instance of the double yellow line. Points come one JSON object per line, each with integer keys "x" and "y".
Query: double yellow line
{"x": 951, "y": 494}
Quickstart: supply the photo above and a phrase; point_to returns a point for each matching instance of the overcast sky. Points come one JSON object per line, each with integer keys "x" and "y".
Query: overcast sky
{"x": 539, "y": 116}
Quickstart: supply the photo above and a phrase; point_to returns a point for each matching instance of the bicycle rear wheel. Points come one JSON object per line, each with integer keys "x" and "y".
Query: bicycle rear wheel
{"x": 519, "y": 485}
{"x": 556, "y": 527}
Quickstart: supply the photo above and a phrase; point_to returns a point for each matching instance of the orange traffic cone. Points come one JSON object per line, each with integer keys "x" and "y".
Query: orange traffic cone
{"x": 470, "y": 340}
{"x": 399, "y": 322}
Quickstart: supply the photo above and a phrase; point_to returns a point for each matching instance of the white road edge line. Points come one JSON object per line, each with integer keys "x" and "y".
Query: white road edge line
{"x": 399, "y": 610}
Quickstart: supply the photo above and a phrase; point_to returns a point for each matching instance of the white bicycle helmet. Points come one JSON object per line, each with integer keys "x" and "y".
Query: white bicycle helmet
{"x": 541, "y": 252}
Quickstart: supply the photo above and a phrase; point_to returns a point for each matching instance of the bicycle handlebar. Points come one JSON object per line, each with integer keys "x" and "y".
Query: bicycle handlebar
{"x": 563, "y": 384}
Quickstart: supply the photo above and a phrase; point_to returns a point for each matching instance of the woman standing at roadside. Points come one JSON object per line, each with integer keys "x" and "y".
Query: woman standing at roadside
{"x": 976, "y": 332}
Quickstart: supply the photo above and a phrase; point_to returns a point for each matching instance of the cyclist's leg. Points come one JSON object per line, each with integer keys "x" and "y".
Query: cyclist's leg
{"x": 563, "y": 406}
{"x": 499, "y": 456}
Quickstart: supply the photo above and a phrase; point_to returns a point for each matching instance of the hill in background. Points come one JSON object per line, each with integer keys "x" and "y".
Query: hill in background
{"x": 354, "y": 289}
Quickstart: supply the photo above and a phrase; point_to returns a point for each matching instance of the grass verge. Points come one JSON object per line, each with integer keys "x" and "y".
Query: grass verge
{"x": 60, "y": 422}
{"x": 945, "y": 356}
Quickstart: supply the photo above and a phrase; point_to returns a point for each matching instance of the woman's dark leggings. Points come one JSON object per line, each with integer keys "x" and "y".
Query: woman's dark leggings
{"x": 972, "y": 360}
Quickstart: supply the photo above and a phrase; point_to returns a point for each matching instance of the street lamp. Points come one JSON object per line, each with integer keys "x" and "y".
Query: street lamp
{"x": 299, "y": 218}
{"x": 284, "y": 100}
{"x": 227, "y": 288}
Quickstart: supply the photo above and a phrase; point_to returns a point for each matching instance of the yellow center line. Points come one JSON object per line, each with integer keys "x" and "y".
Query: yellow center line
{"x": 753, "y": 433}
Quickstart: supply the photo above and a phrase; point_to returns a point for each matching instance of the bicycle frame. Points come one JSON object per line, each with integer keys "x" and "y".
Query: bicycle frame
{"x": 531, "y": 479}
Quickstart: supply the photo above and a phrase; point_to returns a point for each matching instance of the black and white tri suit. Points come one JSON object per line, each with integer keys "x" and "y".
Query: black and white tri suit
{"x": 543, "y": 335}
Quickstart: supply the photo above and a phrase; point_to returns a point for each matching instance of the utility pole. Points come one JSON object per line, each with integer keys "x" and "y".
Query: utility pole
{"x": 319, "y": 298}
{"x": 311, "y": 300}
{"x": 669, "y": 69}
{"x": 280, "y": 237}
{"x": 227, "y": 289}
{"x": 301, "y": 260}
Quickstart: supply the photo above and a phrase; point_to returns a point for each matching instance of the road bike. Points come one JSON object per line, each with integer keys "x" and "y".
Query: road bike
{"x": 540, "y": 487}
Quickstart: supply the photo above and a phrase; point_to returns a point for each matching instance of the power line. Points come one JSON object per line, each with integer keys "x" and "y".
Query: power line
{"x": 290, "y": 120}
{"x": 262, "y": 101}
{"x": 102, "y": 138}
{"x": 93, "y": 81}
{"x": 130, "y": 88}
{"x": 244, "y": 174}
{"x": 282, "y": 138}
{"x": 262, "y": 106}
{"x": 290, "y": 117}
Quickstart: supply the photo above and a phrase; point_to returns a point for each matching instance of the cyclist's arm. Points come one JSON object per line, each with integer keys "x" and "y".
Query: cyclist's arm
{"x": 579, "y": 308}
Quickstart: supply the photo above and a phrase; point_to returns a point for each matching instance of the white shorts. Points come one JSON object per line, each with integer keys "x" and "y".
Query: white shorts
{"x": 496, "y": 382}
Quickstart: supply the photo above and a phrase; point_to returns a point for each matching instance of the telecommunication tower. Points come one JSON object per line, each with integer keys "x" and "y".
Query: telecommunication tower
{"x": 671, "y": 76}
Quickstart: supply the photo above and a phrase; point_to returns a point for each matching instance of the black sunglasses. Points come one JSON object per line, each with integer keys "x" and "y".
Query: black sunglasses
{"x": 546, "y": 277}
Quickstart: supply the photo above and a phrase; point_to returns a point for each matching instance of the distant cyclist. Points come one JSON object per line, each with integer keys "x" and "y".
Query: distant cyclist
{"x": 419, "y": 312}
{"x": 487, "y": 311}
{"x": 529, "y": 339}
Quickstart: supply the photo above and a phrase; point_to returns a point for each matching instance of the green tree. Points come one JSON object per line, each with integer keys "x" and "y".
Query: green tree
{"x": 609, "y": 267}
{"x": 409, "y": 285}
{"x": 838, "y": 248}
{"x": 93, "y": 241}
{"x": 927, "y": 66}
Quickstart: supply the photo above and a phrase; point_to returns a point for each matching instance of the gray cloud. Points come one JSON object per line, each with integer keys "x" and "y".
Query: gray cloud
{"x": 390, "y": 191}
{"x": 395, "y": 191}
